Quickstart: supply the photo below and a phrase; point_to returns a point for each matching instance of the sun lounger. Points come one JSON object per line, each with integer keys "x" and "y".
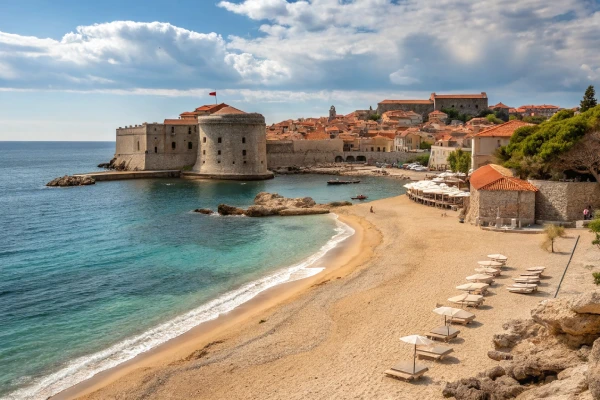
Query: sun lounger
{"x": 463, "y": 317}
{"x": 405, "y": 370}
{"x": 444, "y": 333}
{"x": 434, "y": 352}
{"x": 488, "y": 271}
{"x": 527, "y": 279}
{"x": 533, "y": 286}
{"x": 484, "y": 278}
{"x": 472, "y": 300}
{"x": 542, "y": 269}
{"x": 531, "y": 273}
{"x": 521, "y": 290}
{"x": 474, "y": 288}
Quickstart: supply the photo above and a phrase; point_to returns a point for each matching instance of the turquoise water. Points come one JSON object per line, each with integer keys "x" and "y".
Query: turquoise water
{"x": 91, "y": 276}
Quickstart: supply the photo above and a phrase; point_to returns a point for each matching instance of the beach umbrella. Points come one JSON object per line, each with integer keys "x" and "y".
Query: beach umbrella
{"x": 446, "y": 312}
{"x": 416, "y": 340}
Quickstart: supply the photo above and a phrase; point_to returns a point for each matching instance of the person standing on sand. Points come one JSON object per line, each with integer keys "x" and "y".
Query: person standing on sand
{"x": 372, "y": 210}
{"x": 591, "y": 212}
{"x": 586, "y": 214}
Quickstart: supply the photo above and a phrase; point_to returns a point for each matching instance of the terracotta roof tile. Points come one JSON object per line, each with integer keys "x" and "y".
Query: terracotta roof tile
{"x": 496, "y": 177}
{"x": 503, "y": 130}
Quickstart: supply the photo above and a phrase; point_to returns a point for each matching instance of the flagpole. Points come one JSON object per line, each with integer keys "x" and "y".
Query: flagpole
{"x": 216, "y": 99}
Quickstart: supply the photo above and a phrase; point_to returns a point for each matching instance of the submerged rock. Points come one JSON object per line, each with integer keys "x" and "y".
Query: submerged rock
{"x": 71, "y": 181}
{"x": 303, "y": 211}
{"x": 204, "y": 211}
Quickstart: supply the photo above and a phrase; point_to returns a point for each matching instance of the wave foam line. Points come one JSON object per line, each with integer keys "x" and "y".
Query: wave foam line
{"x": 85, "y": 367}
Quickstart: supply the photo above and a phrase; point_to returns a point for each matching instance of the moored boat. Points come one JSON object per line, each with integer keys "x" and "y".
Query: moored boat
{"x": 338, "y": 182}
{"x": 359, "y": 197}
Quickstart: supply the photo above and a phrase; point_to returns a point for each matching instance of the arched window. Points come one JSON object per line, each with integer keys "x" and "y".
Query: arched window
{"x": 189, "y": 145}
{"x": 243, "y": 140}
{"x": 204, "y": 139}
{"x": 173, "y": 145}
{"x": 219, "y": 140}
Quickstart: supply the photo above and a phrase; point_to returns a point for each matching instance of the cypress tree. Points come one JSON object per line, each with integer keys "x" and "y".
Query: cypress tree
{"x": 589, "y": 101}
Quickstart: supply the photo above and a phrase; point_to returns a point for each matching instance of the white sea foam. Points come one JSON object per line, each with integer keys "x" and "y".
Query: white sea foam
{"x": 86, "y": 367}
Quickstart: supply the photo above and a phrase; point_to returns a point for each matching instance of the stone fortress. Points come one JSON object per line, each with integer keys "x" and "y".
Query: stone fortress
{"x": 470, "y": 104}
{"x": 214, "y": 141}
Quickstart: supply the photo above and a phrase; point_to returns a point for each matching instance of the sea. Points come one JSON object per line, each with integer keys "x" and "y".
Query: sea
{"x": 92, "y": 276}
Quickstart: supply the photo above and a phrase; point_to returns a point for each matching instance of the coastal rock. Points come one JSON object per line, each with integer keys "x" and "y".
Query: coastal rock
{"x": 303, "y": 211}
{"x": 515, "y": 331}
{"x": 262, "y": 211}
{"x": 499, "y": 355}
{"x": 274, "y": 200}
{"x": 224, "y": 209}
{"x": 71, "y": 181}
{"x": 558, "y": 316}
{"x": 587, "y": 303}
{"x": 594, "y": 370}
{"x": 334, "y": 204}
{"x": 204, "y": 211}
{"x": 569, "y": 384}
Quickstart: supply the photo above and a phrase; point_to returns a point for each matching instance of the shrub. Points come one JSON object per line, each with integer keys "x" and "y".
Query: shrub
{"x": 552, "y": 232}
{"x": 594, "y": 226}
{"x": 423, "y": 159}
{"x": 374, "y": 117}
{"x": 596, "y": 276}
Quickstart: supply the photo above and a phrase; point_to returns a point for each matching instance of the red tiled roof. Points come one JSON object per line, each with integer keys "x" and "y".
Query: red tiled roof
{"x": 406, "y": 102}
{"x": 228, "y": 110}
{"x": 503, "y": 130}
{"x": 496, "y": 177}
{"x": 332, "y": 129}
{"x": 210, "y": 107}
{"x": 500, "y": 105}
{"x": 320, "y": 135}
{"x": 180, "y": 122}
{"x": 481, "y": 95}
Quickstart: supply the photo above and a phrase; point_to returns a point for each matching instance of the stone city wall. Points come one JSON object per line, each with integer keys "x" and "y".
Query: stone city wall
{"x": 564, "y": 201}
{"x": 512, "y": 204}
{"x": 464, "y": 106}
{"x": 420, "y": 108}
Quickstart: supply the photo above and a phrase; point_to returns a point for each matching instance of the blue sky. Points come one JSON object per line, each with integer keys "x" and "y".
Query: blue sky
{"x": 76, "y": 70}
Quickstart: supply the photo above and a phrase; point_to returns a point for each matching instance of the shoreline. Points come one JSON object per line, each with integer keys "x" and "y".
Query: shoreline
{"x": 337, "y": 262}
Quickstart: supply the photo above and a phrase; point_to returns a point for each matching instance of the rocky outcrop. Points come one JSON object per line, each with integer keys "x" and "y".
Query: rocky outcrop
{"x": 268, "y": 204}
{"x": 545, "y": 357}
{"x": 224, "y": 209}
{"x": 205, "y": 211}
{"x": 71, "y": 181}
{"x": 112, "y": 164}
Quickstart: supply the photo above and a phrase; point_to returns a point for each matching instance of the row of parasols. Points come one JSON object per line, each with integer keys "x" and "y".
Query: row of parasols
{"x": 433, "y": 193}
{"x": 473, "y": 296}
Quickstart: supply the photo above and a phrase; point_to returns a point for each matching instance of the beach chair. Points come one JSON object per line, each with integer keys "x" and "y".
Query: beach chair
{"x": 443, "y": 333}
{"x": 433, "y": 352}
{"x": 483, "y": 278}
{"x": 520, "y": 290}
{"x": 527, "y": 279}
{"x": 474, "y": 288}
{"x": 533, "y": 286}
{"x": 531, "y": 273}
{"x": 464, "y": 318}
{"x": 488, "y": 271}
{"x": 472, "y": 300}
{"x": 407, "y": 371}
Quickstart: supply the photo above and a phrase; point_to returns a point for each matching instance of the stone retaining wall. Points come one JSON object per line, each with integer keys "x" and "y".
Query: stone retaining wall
{"x": 564, "y": 201}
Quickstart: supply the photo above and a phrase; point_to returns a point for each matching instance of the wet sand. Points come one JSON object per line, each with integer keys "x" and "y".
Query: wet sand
{"x": 332, "y": 336}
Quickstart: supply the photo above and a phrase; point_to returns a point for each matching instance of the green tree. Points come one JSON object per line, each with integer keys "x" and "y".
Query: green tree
{"x": 594, "y": 226}
{"x": 588, "y": 101}
{"x": 374, "y": 117}
{"x": 460, "y": 161}
{"x": 493, "y": 119}
{"x": 423, "y": 159}
{"x": 552, "y": 232}
{"x": 425, "y": 146}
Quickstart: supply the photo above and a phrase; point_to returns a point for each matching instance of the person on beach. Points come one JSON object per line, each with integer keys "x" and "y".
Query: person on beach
{"x": 372, "y": 210}
{"x": 586, "y": 214}
{"x": 591, "y": 212}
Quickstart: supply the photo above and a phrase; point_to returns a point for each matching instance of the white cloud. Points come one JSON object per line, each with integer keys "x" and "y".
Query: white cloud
{"x": 251, "y": 69}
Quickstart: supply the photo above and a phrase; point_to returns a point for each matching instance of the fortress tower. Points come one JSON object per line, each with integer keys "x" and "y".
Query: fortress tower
{"x": 232, "y": 145}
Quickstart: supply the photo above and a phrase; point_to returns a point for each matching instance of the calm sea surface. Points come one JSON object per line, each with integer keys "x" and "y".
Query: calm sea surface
{"x": 92, "y": 276}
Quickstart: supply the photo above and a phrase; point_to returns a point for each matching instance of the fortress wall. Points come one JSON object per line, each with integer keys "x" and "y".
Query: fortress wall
{"x": 419, "y": 108}
{"x": 564, "y": 201}
{"x": 131, "y": 147}
{"x": 169, "y": 148}
{"x": 303, "y": 153}
{"x": 464, "y": 106}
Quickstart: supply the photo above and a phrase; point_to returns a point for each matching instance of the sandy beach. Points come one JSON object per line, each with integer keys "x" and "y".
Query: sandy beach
{"x": 333, "y": 335}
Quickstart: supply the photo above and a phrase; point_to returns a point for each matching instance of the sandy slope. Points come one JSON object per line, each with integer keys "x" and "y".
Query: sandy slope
{"x": 335, "y": 340}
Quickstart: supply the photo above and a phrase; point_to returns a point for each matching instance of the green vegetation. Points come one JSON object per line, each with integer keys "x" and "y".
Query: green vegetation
{"x": 460, "y": 161}
{"x": 534, "y": 119}
{"x": 493, "y": 119}
{"x": 187, "y": 168}
{"x": 566, "y": 142}
{"x": 594, "y": 226}
{"x": 497, "y": 116}
{"x": 552, "y": 232}
{"x": 596, "y": 276}
{"x": 589, "y": 99}
{"x": 425, "y": 146}
{"x": 453, "y": 114}
{"x": 423, "y": 159}
{"x": 374, "y": 117}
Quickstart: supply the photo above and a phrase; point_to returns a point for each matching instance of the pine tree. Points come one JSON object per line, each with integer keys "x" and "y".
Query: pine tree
{"x": 589, "y": 101}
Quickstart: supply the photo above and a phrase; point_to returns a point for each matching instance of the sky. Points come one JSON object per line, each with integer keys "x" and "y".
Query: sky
{"x": 76, "y": 70}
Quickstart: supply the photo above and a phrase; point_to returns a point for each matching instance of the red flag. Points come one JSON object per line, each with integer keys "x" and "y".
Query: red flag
{"x": 212, "y": 94}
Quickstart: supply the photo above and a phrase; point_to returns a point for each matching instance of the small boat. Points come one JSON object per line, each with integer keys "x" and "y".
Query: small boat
{"x": 359, "y": 197}
{"x": 338, "y": 182}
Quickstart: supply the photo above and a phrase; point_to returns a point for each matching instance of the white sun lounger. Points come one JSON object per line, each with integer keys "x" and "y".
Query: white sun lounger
{"x": 484, "y": 278}
{"x": 533, "y": 286}
{"x": 471, "y": 300}
{"x": 521, "y": 290}
{"x": 488, "y": 271}
{"x": 463, "y": 317}
{"x": 527, "y": 279}
{"x": 434, "y": 352}
{"x": 474, "y": 287}
{"x": 444, "y": 333}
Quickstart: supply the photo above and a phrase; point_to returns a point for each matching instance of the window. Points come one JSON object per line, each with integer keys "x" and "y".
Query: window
{"x": 138, "y": 146}
{"x": 194, "y": 128}
{"x": 499, "y": 143}
{"x": 243, "y": 140}
{"x": 204, "y": 139}
{"x": 189, "y": 130}
{"x": 172, "y": 129}
{"x": 379, "y": 149}
{"x": 476, "y": 105}
{"x": 189, "y": 145}
{"x": 243, "y": 152}
{"x": 372, "y": 149}
{"x": 156, "y": 149}
{"x": 219, "y": 162}
{"x": 244, "y": 162}
{"x": 173, "y": 145}
{"x": 233, "y": 162}
{"x": 203, "y": 152}
{"x": 219, "y": 140}
{"x": 219, "y": 152}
